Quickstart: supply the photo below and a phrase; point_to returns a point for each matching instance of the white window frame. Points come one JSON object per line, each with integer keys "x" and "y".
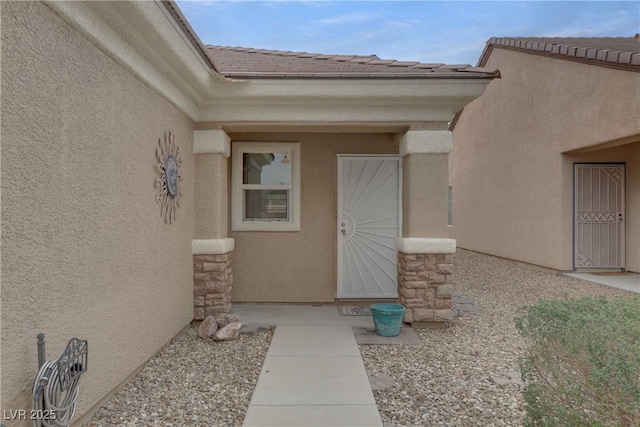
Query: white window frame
{"x": 238, "y": 223}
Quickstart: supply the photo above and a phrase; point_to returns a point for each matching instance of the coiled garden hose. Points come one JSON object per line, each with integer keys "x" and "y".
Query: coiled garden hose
{"x": 53, "y": 407}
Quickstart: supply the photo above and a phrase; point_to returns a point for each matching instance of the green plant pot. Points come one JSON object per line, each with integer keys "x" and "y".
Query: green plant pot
{"x": 387, "y": 319}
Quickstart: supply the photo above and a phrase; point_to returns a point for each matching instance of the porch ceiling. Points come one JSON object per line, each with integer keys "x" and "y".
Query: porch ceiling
{"x": 156, "y": 43}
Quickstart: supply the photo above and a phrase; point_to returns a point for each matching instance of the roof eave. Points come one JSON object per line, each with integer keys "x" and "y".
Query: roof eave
{"x": 148, "y": 39}
{"x": 343, "y": 100}
{"x": 353, "y": 76}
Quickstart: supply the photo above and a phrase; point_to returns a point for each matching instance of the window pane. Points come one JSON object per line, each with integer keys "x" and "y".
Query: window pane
{"x": 266, "y": 204}
{"x": 266, "y": 168}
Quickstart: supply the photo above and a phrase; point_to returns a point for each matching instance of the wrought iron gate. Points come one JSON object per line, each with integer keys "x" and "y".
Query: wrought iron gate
{"x": 599, "y": 216}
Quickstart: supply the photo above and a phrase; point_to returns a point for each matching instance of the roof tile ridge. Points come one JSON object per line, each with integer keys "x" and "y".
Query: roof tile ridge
{"x": 566, "y": 46}
{"x": 348, "y": 57}
{"x": 259, "y": 50}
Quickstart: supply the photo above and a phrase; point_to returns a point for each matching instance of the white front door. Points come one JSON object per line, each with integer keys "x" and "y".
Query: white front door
{"x": 368, "y": 222}
{"x": 599, "y": 216}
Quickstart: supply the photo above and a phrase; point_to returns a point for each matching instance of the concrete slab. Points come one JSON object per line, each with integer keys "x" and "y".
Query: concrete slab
{"x": 313, "y": 373}
{"x": 380, "y": 380}
{"x": 296, "y": 340}
{"x": 313, "y": 415}
{"x": 625, "y": 281}
{"x": 313, "y": 381}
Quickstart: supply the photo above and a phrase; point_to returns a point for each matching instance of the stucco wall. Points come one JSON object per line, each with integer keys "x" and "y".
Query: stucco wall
{"x": 300, "y": 266}
{"x": 512, "y": 187}
{"x": 424, "y": 195}
{"x": 211, "y": 196}
{"x": 85, "y": 252}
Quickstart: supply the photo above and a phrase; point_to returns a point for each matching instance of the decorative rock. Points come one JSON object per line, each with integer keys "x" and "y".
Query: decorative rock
{"x": 208, "y": 327}
{"x": 224, "y": 319}
{"x": 229, "y": 332}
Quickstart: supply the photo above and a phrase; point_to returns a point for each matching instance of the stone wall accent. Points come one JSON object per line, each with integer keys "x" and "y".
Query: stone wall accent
{"x": 212, "y": 280}
{"x": 425, "y": 286}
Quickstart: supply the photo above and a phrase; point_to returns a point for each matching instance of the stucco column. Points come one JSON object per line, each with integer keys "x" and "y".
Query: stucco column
{"x": 425, "y": 254}
{"x": 211, "y": 248}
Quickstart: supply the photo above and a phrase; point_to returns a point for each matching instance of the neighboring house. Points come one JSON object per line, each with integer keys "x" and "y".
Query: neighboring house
{"x": 546, "y": 164}
{"x": 148, "y": 180}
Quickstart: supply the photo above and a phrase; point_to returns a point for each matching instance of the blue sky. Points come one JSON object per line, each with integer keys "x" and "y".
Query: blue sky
{"x": 453, "y": 32}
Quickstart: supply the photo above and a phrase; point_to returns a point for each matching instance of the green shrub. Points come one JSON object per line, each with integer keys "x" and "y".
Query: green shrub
{"x": 582, "y": 363}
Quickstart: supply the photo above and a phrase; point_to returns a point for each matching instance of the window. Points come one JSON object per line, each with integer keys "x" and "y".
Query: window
{"x": 265, "y": 186}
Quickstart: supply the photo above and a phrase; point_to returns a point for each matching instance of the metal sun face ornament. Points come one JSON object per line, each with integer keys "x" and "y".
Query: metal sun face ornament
{"x": 168, "y": 182}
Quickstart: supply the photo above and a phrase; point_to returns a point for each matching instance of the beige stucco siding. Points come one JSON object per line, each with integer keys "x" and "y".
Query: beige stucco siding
{"x": 512, "y": 186}
{"x": 300, "y": 266}
{"x": 211, "y": 196}
{"x": 85, "y": 252}
{"x": 424, "y": 195}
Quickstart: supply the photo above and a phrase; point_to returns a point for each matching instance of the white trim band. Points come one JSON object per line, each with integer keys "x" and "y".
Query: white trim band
{"x": 426, "y": 142}
{"x": 213, "y": 141}
{"x": 212, "y": 246}
{"x": 413, "y": 245}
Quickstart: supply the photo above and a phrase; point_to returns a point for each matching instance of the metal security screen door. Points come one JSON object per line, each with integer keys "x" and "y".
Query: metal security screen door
{"x": 368, "y": 223}
{"x": 599, "y": 216}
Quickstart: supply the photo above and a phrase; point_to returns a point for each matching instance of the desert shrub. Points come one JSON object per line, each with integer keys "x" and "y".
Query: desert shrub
{"x": 582, "y": 363}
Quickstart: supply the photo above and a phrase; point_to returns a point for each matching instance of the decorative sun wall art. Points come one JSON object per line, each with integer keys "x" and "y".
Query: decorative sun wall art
{"x": 168, "y": 183}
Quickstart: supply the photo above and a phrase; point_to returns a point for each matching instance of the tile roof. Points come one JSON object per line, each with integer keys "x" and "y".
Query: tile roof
{"x": 614, "y": 52}
{"x": 248, "y": 63}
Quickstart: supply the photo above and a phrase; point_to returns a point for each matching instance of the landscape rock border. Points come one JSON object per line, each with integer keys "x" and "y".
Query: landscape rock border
{"x": 223, "y": 327}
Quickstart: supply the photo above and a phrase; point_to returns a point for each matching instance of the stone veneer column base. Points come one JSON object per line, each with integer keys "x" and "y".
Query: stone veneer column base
{"x": 425, "y": 287}
{"x": 212, "y": 277}
{"x": 212, "y": 280}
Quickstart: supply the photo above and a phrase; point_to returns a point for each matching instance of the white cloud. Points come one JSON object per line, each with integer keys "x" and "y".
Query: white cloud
{"x": 402, "y": 25}
{"x": 350, "y": 18}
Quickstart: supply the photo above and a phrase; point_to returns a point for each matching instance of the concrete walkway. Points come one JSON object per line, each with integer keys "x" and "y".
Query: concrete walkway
{"x": 313, "y": 374}
{"x": 626, "y": 281}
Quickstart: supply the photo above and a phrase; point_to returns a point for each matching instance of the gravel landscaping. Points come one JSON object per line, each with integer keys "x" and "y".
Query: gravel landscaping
{"x": 444, "y": 381}
{"x": 192, "y": 382}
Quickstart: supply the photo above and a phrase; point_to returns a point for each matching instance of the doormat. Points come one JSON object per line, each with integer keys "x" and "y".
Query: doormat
{"x": 611, "y": 273}
{"x": 354, "y": 310}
